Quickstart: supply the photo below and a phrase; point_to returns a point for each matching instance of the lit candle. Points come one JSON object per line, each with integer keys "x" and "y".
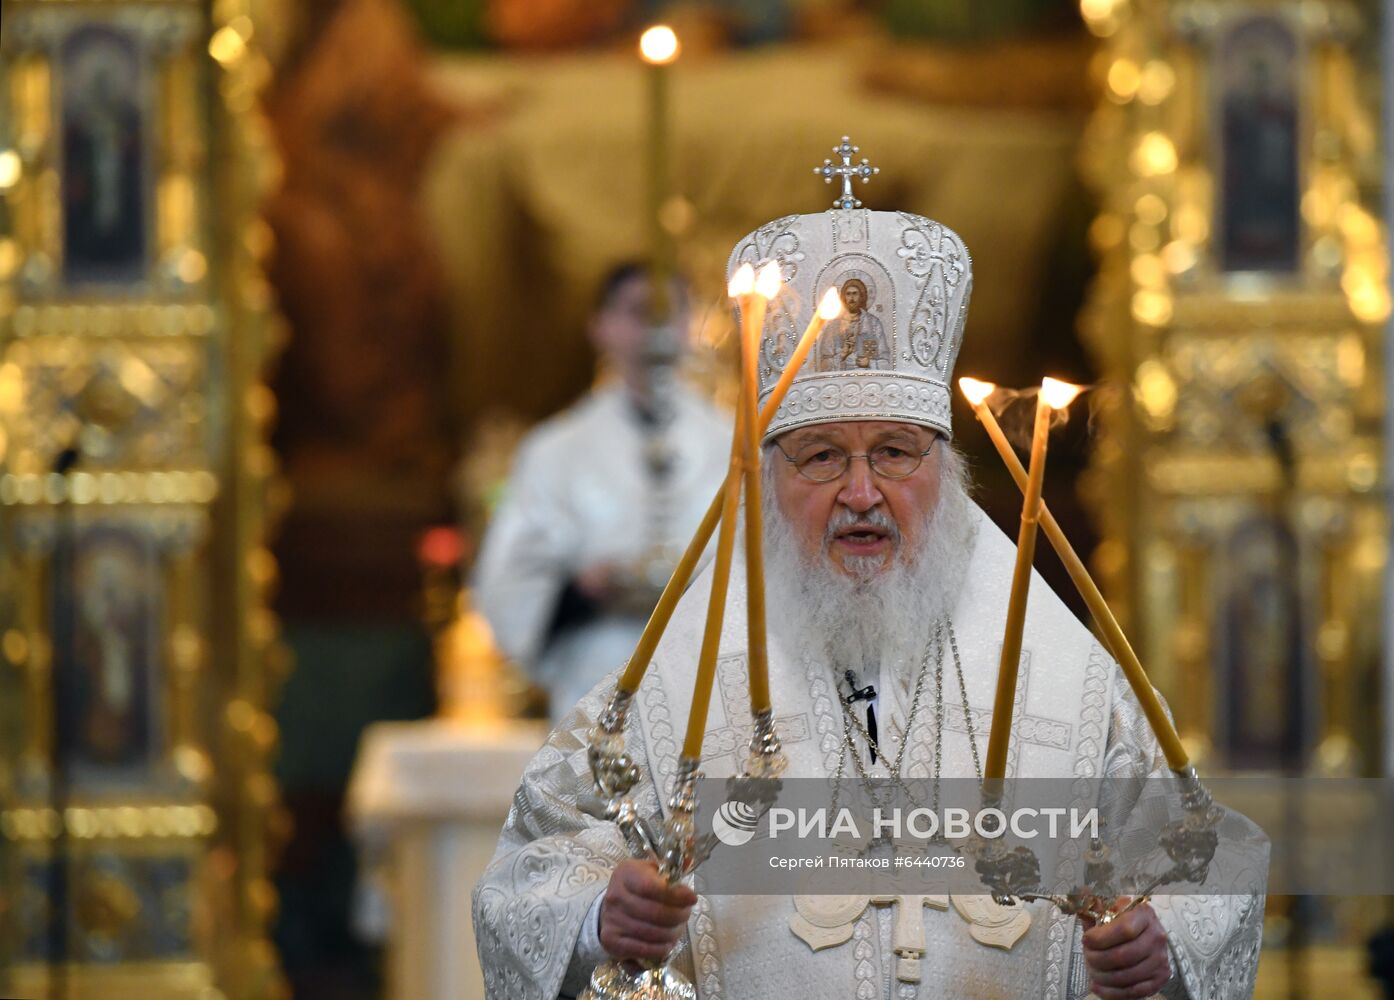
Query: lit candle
{"x": 1054, "y": 395}
{"x": 828, "y": 309}
{"x": 1122, "y": 650}
{"x": 742, "y": 283}
{"x": 753, "y": 308}
{"x": 754, "y": 297}
{"x": 658, "y": 46}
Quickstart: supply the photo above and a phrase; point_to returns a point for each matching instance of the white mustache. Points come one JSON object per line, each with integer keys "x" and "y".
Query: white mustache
{"x": 846, "y": 519}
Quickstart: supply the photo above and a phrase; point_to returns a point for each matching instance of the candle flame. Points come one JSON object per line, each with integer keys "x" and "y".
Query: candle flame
{"x": 830, "y": 305}
{"x": 1057, "y": 394}
{"x": 659, "y": 45}
{"x": 741, "y": 282}
{"x": 976, "y": 390}
{"x": 769, "y": 280}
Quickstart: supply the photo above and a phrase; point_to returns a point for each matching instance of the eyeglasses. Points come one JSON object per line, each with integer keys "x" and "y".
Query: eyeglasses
{"x": 824, "y": 463}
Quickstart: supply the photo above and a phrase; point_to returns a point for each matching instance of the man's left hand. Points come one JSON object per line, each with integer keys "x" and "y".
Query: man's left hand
{"x": 1127, "y": 957}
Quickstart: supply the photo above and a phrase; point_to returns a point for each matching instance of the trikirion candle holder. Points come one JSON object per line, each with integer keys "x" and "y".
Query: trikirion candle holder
{"x": 675, "y": 851}
{"x": 676, "y": 847}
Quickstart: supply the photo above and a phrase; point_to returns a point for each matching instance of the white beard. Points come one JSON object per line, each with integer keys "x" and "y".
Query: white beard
{"x": 872, "y": 619}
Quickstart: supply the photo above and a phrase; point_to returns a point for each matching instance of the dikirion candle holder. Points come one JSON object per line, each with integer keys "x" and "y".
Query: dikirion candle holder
{"x": 1014, "y": 873}
{"x": 1054, "y": 395}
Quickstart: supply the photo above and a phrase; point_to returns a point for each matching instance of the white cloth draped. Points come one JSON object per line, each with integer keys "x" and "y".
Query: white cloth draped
{"x": 579, "y": 495}
{"x": 1075, "y": 718}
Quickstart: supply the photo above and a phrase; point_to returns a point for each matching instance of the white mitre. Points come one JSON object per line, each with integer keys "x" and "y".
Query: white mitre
{"x": 891, "y": 355}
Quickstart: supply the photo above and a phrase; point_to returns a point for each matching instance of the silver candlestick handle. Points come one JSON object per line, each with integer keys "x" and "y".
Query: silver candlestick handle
{"x": 615, "y": 774}
{"x": 765, "y": 756}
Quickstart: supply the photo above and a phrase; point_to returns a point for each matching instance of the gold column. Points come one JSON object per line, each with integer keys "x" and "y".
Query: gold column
{"x": 1247, "y": 439}
{"x": 1237, "y": 477}
{"x": 1191, "y": 648}
{"x": 135, "y": 327}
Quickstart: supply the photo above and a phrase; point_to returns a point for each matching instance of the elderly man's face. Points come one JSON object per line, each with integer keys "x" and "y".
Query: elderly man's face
{"x": 837, "y": 517}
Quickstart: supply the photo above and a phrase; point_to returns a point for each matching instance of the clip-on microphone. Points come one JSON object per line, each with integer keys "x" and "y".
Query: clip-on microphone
{"x": 867, "y": 694}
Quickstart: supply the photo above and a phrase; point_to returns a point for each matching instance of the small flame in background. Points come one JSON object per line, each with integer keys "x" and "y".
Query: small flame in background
{"x": 659, "y": 45}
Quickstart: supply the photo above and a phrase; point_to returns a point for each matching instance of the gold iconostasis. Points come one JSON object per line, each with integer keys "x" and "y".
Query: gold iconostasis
{"x": 140, "y": 657}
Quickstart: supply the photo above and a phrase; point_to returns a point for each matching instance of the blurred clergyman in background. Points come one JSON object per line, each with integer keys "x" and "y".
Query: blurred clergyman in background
{"x": 602, "y": 499}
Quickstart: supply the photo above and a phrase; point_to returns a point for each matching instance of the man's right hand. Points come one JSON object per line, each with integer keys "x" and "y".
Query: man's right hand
{"x": 642, "y": 916}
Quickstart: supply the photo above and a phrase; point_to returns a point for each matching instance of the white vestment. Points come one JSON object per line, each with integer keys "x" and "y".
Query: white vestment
{"x": 1075, "y": 718}
{"x": 580, "y": 495}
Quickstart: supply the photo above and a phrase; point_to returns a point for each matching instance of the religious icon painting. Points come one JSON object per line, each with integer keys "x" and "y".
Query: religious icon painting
{"x": 862, "y": 338}
{"x": 1265, "y": 717}
{"x": 1257, "y": 115}
{"x": 105, "y": 185}
{"x": 137, "y": 906}
{"x": 108, "y": 639}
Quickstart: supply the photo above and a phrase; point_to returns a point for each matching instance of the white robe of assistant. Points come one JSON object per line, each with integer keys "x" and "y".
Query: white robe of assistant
{"x": 1075, "y": 718}
{"x": 579, "y": 495}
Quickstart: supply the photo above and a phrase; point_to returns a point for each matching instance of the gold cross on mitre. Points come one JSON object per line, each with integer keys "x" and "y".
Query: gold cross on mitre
{"x": 847, "y": 170}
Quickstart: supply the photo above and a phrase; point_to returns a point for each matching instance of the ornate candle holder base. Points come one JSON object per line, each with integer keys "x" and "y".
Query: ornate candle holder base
{"x": 615, "y": 774}
{"x": 617, "y": 981}
{"x": 1014, "y": 874}
{"x": 765, "y": 758}
{"x": 676, "y": 853}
